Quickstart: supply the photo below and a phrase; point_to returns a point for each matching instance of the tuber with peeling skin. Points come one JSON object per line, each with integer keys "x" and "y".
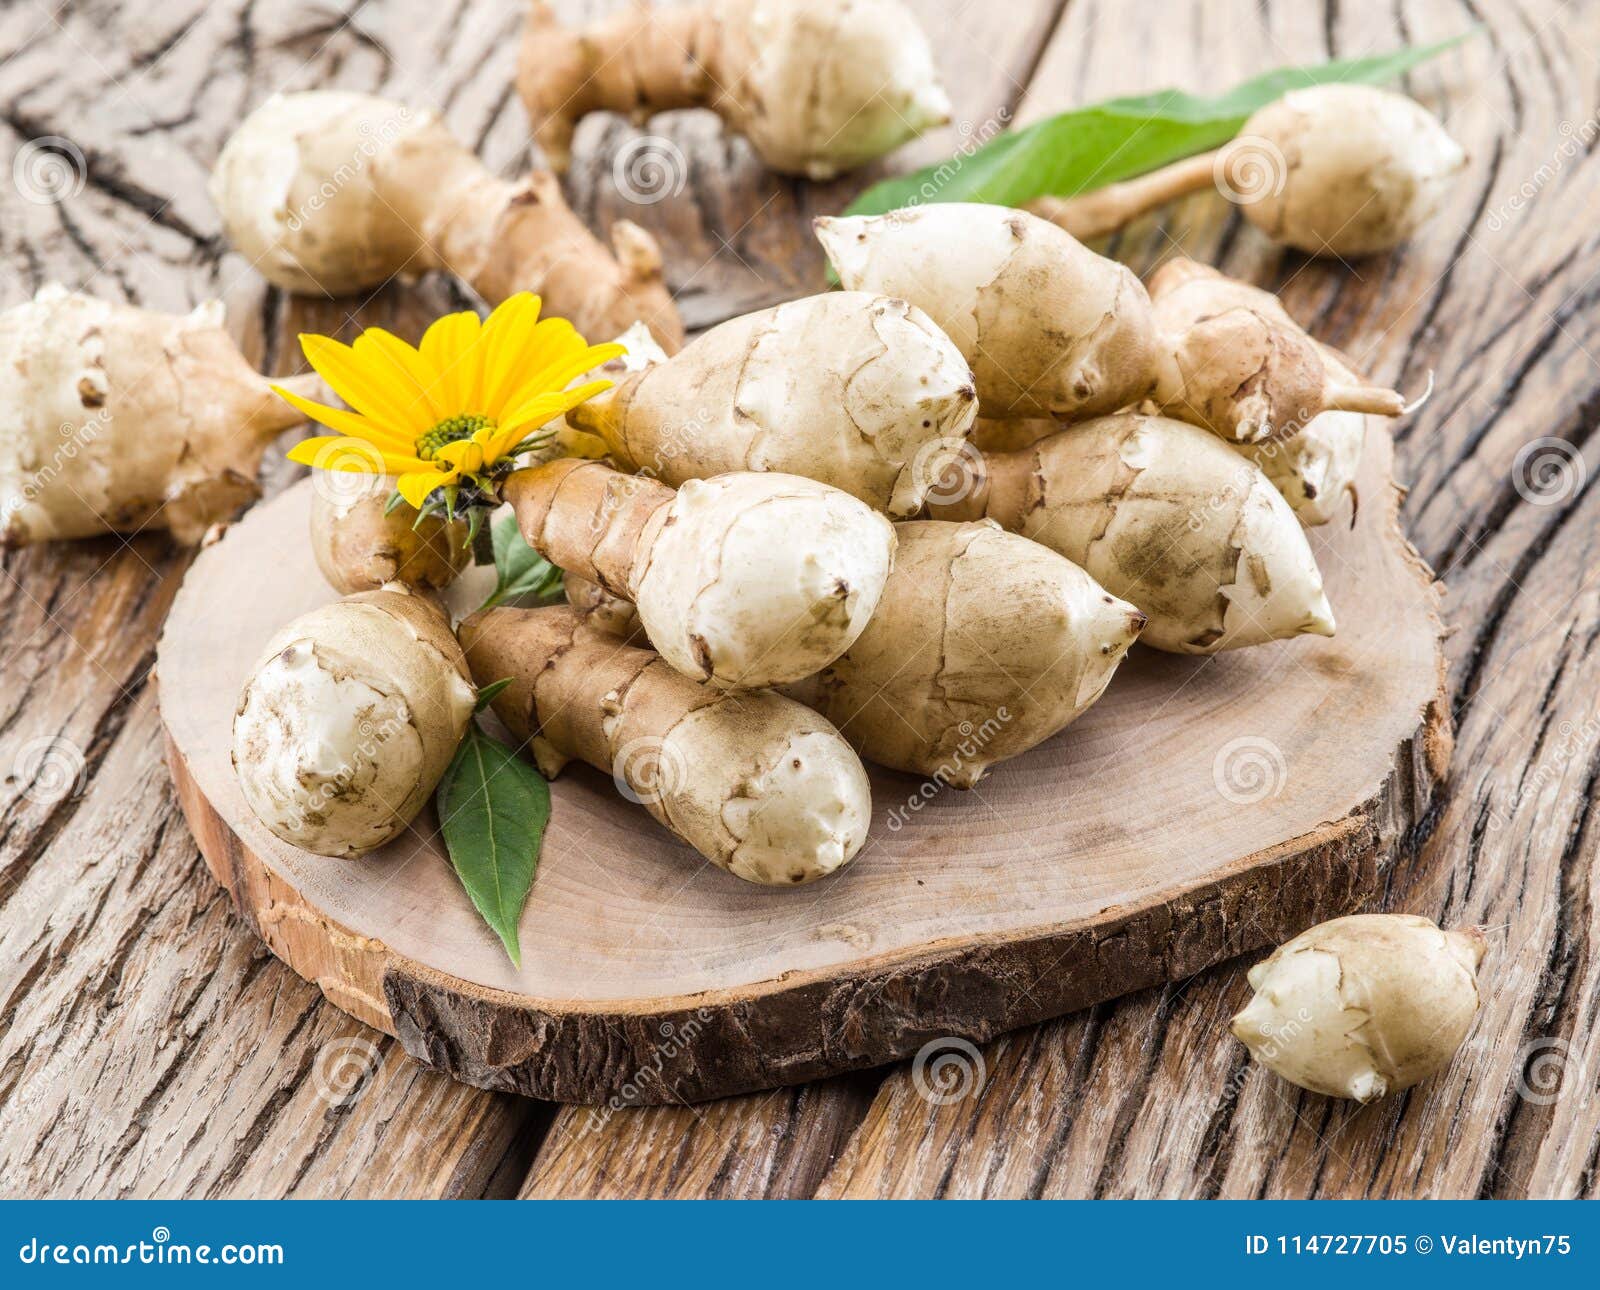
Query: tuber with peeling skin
{"x": 984, "y": 645}
{"x": 745, "y": 580}
{"x": 1363, "y": 1006}
{"x": 1343, "y": 170}
{"x": 330, "y": 192}
{"x": 349, "y": 720}
{"x": 817, "y": 86}
{"x": 122, "y": 419}
{"x": 1315, "y": 468}
{"x": 1050, "y": 328}
{"x": 858, "y": 391}
{"x": 1233, "y": 361}
{"x": 361, "y": 542}
{"x": 758, "y": 784}
{"x": 1170, "y": 519}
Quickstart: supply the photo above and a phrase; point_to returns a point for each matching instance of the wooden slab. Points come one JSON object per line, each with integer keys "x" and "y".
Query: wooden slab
{"x": 1203, "y": 808}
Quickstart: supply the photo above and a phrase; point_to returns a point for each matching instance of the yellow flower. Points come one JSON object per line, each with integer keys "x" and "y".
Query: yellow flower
{"x": 452, "y": 410}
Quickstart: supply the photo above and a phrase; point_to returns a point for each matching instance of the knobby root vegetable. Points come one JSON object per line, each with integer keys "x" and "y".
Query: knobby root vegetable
{"x": 606, "y": 613}
{"x": 758, "y": 784}
{"x": 121, "y": 419}
{"x": 1363, "y": 1006}
{"x": 984, "y": 645}
{"x": 745, "y": 580}
{"x": 1233, "y": 361}
{"x": 1050, "y": 328}
{"x": 858, "y": 391}
{"x": 360, "y": 544}
{"x": 817, "y": 86}
{"x": 1315, "y": 468}
{"x": 350, "y": 719}
{"x": 1167, "y": 517}
{"x": 329, "y": 192}
{"x": 1340, "y": 170}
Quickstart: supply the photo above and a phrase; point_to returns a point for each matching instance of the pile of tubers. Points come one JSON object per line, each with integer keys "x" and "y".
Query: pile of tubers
{"x": 859, "y": 525}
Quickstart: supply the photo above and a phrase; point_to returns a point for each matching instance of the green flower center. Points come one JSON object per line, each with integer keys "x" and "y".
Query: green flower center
{"x": 452, "y": 430}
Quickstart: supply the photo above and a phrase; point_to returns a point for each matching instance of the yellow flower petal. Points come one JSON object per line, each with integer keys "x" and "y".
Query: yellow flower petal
{"x": 406, "y": 364}
{"x": 366, "y": 386}
{"x": 556, "y": 375}
{"x": 346, "y": 423}
{"x": 442, "y": 348}
{"x": 510, "y": 329}
{"x": 416, "y": 485}
{"x": 543, "y": 408}
{"x": 466, "y": 455}
{"x": 340, "y": 452}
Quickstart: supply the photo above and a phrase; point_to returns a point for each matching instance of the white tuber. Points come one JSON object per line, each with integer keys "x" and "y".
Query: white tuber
{"x": 744, "y": 580}
{"x": 330, "y": 192}
{"x": 1363, "y": 1006}
{"x": 817, "y": 86}
{"x": 858, "y": 391}
{"x": 349, "y": 720}
{"x": 757, "y": 783}
{"x": 1049, "y": 327}
{"x": 121, "y": 419}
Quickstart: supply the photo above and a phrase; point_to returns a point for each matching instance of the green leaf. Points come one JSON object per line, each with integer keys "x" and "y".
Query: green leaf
{"x": 493, "y": 808}
{"x": 1107, "y": 142}
{"x": 524, "y": 573}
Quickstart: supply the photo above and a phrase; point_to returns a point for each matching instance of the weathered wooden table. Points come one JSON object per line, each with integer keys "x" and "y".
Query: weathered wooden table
{"x": 150, "y": 1046}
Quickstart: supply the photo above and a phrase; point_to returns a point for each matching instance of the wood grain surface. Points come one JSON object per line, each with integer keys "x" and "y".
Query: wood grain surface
{"x": 149, "y": 1046}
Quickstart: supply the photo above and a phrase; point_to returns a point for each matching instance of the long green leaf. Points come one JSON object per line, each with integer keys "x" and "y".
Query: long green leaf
{"x": 493, "y": 808}
{"x": 524, "y": 574}
{"x": 1093, "y": 146}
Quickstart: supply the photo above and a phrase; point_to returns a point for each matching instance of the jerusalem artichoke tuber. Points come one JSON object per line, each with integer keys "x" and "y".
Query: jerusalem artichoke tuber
{"x": 984, "y": 645}
{"x": 608, "y": 614}
{"x": 1363, "y": 1006}
{"x": 123, "y": 419}
{"x": 1233, "y": 361}
{"x": 857, "y": 391}
{"x": 1333, "y": 169}
{"x": 361, "y": 541}
{"x": 744, "y": 580}
{"x": 1170, "y": 519}
{"x": 817, "y": 86}
{"x": 330, "y": 192}
{"x": 758, "y": 784}
{"x": 349, "y": 720}
{"x": 1049, "y": 327}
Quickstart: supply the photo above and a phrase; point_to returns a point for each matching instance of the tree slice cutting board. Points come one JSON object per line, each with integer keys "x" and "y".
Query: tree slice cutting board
{"x": 1203, "y": 808}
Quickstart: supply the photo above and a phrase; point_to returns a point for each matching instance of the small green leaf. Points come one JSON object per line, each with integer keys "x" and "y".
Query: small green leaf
{"x": 493, "y": 808}
{"x": 524, "y": 573}
{"x": 1107, "y": 142}
{"x": 486, "y": 695}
